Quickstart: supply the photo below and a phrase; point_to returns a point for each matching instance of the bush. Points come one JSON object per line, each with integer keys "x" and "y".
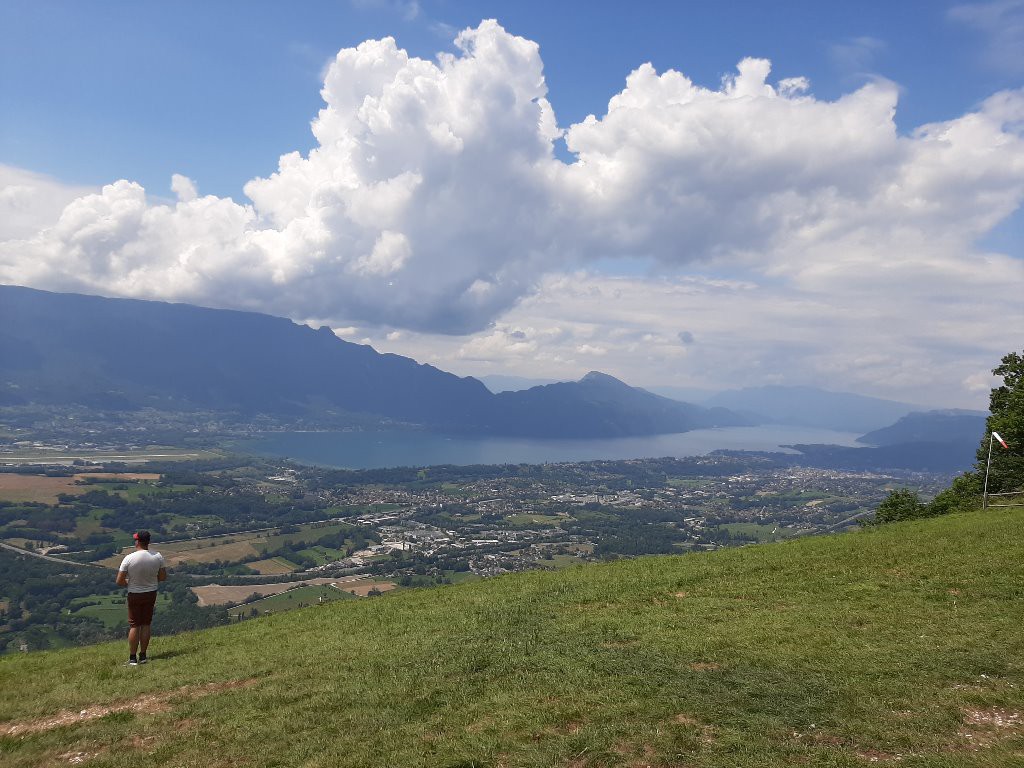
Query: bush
{"x": 900, "y": 504}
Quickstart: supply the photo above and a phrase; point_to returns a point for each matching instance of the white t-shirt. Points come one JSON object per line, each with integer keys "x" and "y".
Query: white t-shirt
{"x": 142, "y": 567}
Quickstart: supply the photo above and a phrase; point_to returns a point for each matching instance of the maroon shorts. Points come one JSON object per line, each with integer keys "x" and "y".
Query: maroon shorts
{"x": 140, "y": 608}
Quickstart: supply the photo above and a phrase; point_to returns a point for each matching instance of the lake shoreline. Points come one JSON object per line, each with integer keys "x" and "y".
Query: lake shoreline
{"x": 388, "y": 449}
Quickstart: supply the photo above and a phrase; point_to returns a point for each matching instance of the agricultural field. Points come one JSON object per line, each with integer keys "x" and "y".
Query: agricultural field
{"x": 528, "y": 520}
{"x": 300, "y": 597}
{"x": 215, "y": 594}
{"x": 236, "y": 547}
{"x": 758, "y": 532}
{"x": 36, "y": 488}
{"x": 132, "y": 491}
{"x": 117, "y": 477}
{"x": 272, "y": 567}
{"x": 44, "y": 489}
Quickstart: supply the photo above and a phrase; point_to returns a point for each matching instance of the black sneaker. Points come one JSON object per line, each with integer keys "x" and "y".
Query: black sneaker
{"x": 142, "y": 658}
{"x": 132, "y": 661}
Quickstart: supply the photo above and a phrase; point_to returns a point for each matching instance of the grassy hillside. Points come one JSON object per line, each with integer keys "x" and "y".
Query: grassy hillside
{"x": 898, "y": 644}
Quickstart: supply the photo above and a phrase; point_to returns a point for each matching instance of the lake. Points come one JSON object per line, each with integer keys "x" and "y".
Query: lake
{"x": 372, "y": 450}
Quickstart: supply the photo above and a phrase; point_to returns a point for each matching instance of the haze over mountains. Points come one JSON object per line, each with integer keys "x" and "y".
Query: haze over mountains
{"x": 954, "y": 426}
{"x": 793, "y": 406}
{"x": 811, "y": 407}
{"x": 124, "y": 354}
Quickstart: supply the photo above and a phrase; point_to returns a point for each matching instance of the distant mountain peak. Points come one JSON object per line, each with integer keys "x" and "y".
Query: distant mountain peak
{"x": 596, "y": 377}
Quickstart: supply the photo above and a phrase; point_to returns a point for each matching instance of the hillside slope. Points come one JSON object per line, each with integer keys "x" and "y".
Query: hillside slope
{"x": 900, "y": 643}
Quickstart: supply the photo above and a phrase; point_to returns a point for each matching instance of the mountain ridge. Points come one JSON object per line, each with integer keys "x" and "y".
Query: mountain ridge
{"x": 812, "y": 407}
{"x": 124, "y": 354}
{"x": 940, "y": 426}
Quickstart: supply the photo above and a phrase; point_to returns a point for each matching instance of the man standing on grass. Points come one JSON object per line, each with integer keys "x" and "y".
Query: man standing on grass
{"x": 141, "y": 572}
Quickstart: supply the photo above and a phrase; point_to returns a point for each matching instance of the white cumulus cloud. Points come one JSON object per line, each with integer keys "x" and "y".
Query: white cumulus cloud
{"x": 433, "y": 202}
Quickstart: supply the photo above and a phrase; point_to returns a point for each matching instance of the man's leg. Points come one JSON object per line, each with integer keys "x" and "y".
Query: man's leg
{"x": 144, "y": 635}
{"x": 133, "y": 639}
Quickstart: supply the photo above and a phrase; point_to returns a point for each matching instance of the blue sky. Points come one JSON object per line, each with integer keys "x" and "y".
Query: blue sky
{"x": 798, "y": 226}
{"x": 93, "y": 91}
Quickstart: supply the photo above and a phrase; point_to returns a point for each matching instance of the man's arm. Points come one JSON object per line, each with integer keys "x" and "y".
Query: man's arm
{"x": 161, "y": 575}
{"x": 122, "y": 578}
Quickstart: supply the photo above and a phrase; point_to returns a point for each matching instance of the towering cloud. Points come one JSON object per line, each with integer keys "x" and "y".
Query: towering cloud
{"x": 434, "y": 201}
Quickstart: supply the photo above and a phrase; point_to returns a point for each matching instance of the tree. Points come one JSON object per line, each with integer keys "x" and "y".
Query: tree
{"x": 1006, "y": 406}
{"x": 900, "y": 504}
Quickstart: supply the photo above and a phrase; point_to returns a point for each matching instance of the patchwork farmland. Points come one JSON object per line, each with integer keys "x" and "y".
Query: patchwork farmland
{"x": 215, "y": 594}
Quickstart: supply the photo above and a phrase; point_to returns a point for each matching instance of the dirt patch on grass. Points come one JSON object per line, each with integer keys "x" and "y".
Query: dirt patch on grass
{"x": 878, "y": 756}
{"x": 983, "y": 727}
{"x": 820, "y": 738}
{"x": 76, "y": 758}
{"x": 571, "y": 728}
{"x": 707, "y": 733}
{"x": 147, "y": 703}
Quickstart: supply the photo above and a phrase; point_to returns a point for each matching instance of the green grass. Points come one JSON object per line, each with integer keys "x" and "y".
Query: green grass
{"x": 560, "y": 561}
{"x": 829, "y": 651}
{"x": 461, "y": 577}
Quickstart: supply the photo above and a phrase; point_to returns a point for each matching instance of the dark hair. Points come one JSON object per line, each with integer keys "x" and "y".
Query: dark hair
{"x": 143, "y": 537}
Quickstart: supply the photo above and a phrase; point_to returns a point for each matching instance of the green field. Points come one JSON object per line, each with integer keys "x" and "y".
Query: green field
{"x": 134, "y": 490}
{"x": 530, "y": 520}
{"x": 322, "y": 554}
{"x": 292, "y": 599}
{"x": 110, "y": 609}
{"x": 89, "y": 523}
{"x": 896, "y": 645}
{"x": 759, "y": 532}
{"x": 244, "y": 546}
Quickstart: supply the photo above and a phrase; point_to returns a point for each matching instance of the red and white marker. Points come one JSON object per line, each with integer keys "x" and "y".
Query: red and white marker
{"x": 1001, "y": 441}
